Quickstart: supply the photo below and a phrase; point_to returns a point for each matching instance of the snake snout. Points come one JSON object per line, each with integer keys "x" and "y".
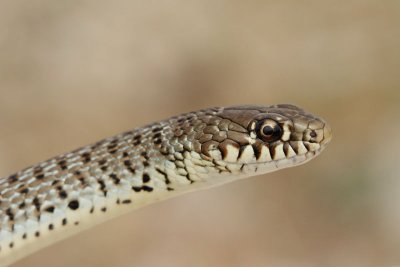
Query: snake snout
{"x": 327, "y": 135}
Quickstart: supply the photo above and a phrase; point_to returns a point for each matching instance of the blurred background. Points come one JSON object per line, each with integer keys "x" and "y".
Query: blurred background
{"x": 73, "y": 72}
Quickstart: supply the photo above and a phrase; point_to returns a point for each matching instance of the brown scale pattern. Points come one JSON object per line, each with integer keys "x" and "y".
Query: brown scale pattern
{"x": 133, "y": 151}
{"x": 146, "y": 160}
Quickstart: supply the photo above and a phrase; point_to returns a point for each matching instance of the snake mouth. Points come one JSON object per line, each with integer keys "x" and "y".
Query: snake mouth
{"x": 257, "y": 153}
{"x": 262, "y": 167}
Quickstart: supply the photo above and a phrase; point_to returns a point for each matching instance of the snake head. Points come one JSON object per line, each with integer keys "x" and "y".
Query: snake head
{"x": 264, "y": 138}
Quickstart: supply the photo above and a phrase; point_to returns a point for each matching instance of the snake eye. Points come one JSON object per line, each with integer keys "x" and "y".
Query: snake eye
{"x": 269, "y": 130}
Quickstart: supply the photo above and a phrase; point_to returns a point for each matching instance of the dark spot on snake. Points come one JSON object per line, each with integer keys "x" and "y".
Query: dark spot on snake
{"x": 36, "y": 202}
{"x": 157, "y": 135}
{"x": 51, "y": 226}
{"x": 24, "y": 236}
{"x": 24, "y": 191}
{"x": 146, "y": 178}
{"x": 37, "y": 170}
{"x": 64, "y": 221}
{"x": 132, "y": 170}
{"x": 37, "y": 234}
{"x": 39, "y": 176}
{"x": 137, "y": 142}
{"x": 112, "y": 146}
{"x": 102, "y": 161}
{"x": 22, "y": 205}
{"x": 50, "y": 209}
{"x": 157, "y": 141}
{"x": 147, "y": 188}
{"x": 12, "y": 178}
{"x": 73, "y": 204}
{"x": 115, "y": 178}
{"x": 62, "y": 164}
{"x": 137, "y": 137}
{"x": 118, "y": 201}
{"x": 76, "y": 223}
{"x": 86, "y": 157}
{"x": 10, "y": 214}
{"x": 144, "y": 154}
{"x": 63, "y": 194}
{"x": 92, "y": 210}
{"x": 126, "y": 201}
{"x": 170, "y": 189}
{"x": 136, "y": 188}
{"x": 103, "y": 209}
{"x": 102, "y": 186}
{"x": 104, "y": 168}
{"x": 157, "y": 129}
{"x": 11, "y": 245}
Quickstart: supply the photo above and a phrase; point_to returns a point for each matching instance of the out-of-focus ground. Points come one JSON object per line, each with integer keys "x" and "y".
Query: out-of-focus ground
{"x": 73, "y": 72}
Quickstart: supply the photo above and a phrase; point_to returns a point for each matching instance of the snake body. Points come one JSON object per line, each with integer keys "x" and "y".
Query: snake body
{"x": 68, "y": 193}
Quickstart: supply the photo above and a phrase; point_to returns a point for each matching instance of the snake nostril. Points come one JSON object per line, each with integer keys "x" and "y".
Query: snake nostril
{"x": 313, "y": 134}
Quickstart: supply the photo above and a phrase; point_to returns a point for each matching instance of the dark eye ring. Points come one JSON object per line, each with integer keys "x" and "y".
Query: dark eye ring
{"x": 269, "y": 130}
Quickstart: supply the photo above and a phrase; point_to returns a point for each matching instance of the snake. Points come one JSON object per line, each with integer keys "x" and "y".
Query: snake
{"x": 62, "y": 196}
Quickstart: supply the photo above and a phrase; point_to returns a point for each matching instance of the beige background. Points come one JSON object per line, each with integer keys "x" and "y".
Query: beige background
{"x": 73, "y": 72}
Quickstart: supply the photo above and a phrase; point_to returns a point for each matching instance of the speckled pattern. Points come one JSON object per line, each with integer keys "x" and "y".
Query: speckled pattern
{"x": 68, "y": 193}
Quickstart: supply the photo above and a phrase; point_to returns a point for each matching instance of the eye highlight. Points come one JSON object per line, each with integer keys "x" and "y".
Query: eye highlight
{"x": 269, "y": 130}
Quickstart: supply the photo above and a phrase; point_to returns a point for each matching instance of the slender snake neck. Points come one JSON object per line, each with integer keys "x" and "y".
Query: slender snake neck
{"x": 74, "y": 191}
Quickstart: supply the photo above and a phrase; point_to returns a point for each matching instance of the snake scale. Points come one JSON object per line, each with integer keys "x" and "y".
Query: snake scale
{"x": 62, "y": 196}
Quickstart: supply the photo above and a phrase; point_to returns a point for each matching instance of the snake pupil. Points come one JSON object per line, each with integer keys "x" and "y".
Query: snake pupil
{"x": 268, "y": 130}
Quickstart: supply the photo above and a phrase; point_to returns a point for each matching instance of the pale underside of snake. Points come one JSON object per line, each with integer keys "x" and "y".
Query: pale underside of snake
{"x": 62, "y": 196}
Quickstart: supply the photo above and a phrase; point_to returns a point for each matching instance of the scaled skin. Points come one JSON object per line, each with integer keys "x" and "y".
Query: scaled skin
{"x": 75, "y": 191}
